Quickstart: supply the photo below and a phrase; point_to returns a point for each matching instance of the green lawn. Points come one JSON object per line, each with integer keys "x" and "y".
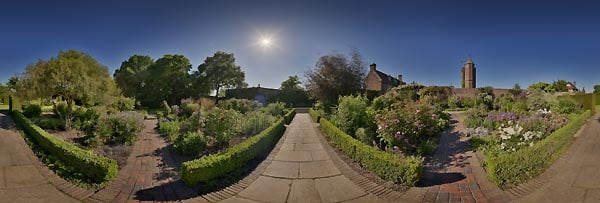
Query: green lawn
{"x": 3, "y": 106}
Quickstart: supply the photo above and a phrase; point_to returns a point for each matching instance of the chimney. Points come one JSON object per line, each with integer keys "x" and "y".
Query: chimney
{"x": 373, "y": 67}
{"x": 400, "y": 78}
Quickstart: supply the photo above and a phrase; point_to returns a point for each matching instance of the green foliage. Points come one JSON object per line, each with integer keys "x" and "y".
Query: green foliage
{"x": 510, "y": 169}
{"x": 541, "y": 86}
{"x": 255, "y": 122}
{"x": 188, "y": 108}
{"x": 123, "y": 104}
{"x": 234, "y": 158}
{"x": 597, "y": 89}
{"x": 32, "y": 111}
{"x": 170, "y": 128}
{"x": 560, "y": 86}
{"x": 275, "y": 109}
{"x": 219, "y": 71}
{"x": 166, "y": 109}
{"x": 335, "y": 75}
{"x": 406, "y": 171}
{"x": 167, "y": 79}
{"x": 96, "y": 168}
{"x": 122, "y": 127}
{"x": 49, "y": 123}
{"x": 289, "y": 116}
{"x": 352, "y": 114}
{"x": 292, "y": 83}
{"x": 567, "y": 105}
{"x": 239, "y": 105}
{"x": 190, "y": 143}
{"x": 222, "y": 124}
{"x": 537, "y": 100}
{"x": 291, "y": 97}
{"x": 314, "y": 114}
{"x": 132, "y": 74}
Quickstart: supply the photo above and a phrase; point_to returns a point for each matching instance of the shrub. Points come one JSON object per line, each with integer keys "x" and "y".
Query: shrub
{"x": 314, "y": 114}
{"x": 256, "y": 121}
{"x": 96, "y": 168}
{"x": 275, "y": 109}
{"x": 222, "y": 124}
{"x": 239, "y": 105}
{"x": 351, "y": 114}
{"x": 406, "y": 171}
{"x": 188, "y": 108}
{"x": 190, "y": 143}
{"x": 234, "y": 158}
{"x": 289, "y": 116}
{"x": 567, "y": 105}
{"x": 510, "y": 169}
{"x": 165, "y": 108}
{"x": 123, "y": 104}
{"x": 122, "y": 127}
{"x": 49, "y": 123}
{"x": 32, "y": 111}
{"x": 169, "y": 128}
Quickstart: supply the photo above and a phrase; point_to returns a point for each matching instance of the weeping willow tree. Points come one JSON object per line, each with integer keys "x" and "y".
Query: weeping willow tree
{"x": 71, "y": 76}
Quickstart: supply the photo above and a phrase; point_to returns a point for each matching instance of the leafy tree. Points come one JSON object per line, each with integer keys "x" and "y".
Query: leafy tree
{"x": 219, "y": 71}
{"x": 516, "y": 90}
{"x": 541, "y": 86}
{"x": 335, "y": 75}
{"x": 72, "y": 76}
{"x": 292, "y": 83}
{"x": 131, "y": 76}
{"x": 167, "y": 79}
{"x": 3, "y": 94}
{"x": 596, "y": 89}
{"x": 560, "y": 85}
{"x": 12, "y": 84}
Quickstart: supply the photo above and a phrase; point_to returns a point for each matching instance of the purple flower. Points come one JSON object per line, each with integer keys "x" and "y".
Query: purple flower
{"x": 398, "y": 135}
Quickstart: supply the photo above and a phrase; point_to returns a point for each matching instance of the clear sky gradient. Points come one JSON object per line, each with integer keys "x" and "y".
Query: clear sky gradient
{"x": 509, "y": 41}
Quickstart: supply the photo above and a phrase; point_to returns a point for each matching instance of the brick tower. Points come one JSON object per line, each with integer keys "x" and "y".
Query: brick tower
{"x": 468, "y": 75}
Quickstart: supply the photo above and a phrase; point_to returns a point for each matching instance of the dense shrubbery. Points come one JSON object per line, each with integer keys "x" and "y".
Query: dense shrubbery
{"x": 351, "y": 114}
{"x": 406, "y": 171}
{"x": 122, "y": 127}
{"x": 275, "y": 109}
{"x": 32, "y": 111}
{"x": 314, "y": 114}
{"x": 222, "y": 124}
{"x": 169, "y": 128}
{"x": 190, "y": 143}
{"x": 239, "y": 105}
{"x": 97, "y": 169}
{"x": 49, "y": 123}
{"x": 256, "y": 121}
{"x": 212, "y": 166}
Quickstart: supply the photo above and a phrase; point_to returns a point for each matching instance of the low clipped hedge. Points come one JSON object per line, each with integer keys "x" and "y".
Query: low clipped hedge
{"x": 510, "y": 169}
{"x": 314, "y": 115}
{"x": 99, "y": 169}
{"x": 387, "y": 166}
{"x": 289, "y": 116}
{"x": 217, "y": 165}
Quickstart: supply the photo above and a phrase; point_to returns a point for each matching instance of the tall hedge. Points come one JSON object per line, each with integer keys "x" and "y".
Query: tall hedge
{"x": 99, "y": 169}
{"x": 406, "y": 171}
{"x": 510, "y": 169}
{"x": 217, "y": 165}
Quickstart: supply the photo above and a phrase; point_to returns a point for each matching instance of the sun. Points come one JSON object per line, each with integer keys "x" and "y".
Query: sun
{"x": 265, "y": 41}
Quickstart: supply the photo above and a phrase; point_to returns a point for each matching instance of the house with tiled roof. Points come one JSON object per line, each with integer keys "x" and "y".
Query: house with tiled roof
{"x": 381, "y": 82}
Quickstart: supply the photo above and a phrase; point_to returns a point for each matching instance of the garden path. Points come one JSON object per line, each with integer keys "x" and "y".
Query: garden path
{"x": 453, "y": 173}
{"x": 303, "y": 171}
{"x": 575, "y": 177}
{"x": 23, "y": 177}
{"x": 151, "y": 173}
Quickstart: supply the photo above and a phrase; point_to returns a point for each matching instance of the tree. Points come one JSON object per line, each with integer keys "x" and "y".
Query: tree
{"x": 516, "y": 90}
{"x": 541, "y": 86}
{"x": 12, "y": 84}
{"x": 72, "y": 76}
{"x": 596, "y": 89}
{"x": 560, "y": 85}
{"x": 131, "y": 76}
{"x": 335, "y": 75}
{"x": 167, "y": 79}
{"x": 219, "y": 71}
{"x": 292, "y": 83}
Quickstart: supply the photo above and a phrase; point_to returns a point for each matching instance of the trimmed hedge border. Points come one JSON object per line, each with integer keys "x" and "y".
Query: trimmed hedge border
{"x": 387, "y": 166}
{"x": 99, "y": 169}
{"x": 314, "y": 115}
{"x": 217, "y": 165}
{"x": 509, "y": 170}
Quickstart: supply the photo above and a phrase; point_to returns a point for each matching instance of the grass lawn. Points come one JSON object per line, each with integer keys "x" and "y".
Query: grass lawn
{"x": 3, "y": 106}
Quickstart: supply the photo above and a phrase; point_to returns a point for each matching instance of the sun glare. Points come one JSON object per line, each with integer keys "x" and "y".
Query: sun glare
{"x": 265, "y": 42}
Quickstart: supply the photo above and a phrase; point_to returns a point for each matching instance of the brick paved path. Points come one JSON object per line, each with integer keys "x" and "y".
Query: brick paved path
{"x": 302, "y": 171}
{"x": 22, "y": 177}
{"x": 151, "y": 173}
{"x": 453, "y": 173}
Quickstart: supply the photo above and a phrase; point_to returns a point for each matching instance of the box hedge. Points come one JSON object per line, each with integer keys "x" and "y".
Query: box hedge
{"x": 314, "y": 115}
{"x": 217, "y": 165}
{"x": 99, "y": 169}
{"x": 289, "y": 116}
{"x": 405, "y": 171}
{"x": 510, "y": 169}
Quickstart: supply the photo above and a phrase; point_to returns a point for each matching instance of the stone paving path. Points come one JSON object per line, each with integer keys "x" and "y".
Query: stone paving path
{"x": 20, "y": 177}
{"x": 575, "y": 177}
{"x": 302, "y": 171}
{"x": 151, "y": 173}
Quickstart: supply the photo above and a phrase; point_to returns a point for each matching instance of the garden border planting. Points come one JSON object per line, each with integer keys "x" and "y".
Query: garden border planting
{"x": 213, "y": 166}
{"x": 314, "y": 115}
{"x": 387, "y": 166}
{"x": 99, "y": 169}
{"x": 509, "y": 170}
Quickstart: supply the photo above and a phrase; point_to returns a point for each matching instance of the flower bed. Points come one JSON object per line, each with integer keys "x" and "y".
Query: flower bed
{"x": 96, "y": 168}
{"x": 390, "y": 167}
{"x": 216, "y": 165}
{"x": 521, "y": 154}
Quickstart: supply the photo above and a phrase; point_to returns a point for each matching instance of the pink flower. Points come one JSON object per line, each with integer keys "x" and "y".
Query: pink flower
{"x": 418, "y": 110}
{"x": 396, "y": 148}
{"x": 398, "y": 135}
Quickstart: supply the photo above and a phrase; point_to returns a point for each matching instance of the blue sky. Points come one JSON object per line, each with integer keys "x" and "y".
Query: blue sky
{"x": 509, "y": 41}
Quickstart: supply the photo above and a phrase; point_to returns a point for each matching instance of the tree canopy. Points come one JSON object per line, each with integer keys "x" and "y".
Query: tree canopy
{"x": 131, "y": 76}
{"x": 596, "y": 89}
{"x": 336, "y": 75}
{"x": 292, "y": 83}
{"x": 167, "y": 79}
{"x": 219, "y": 71}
